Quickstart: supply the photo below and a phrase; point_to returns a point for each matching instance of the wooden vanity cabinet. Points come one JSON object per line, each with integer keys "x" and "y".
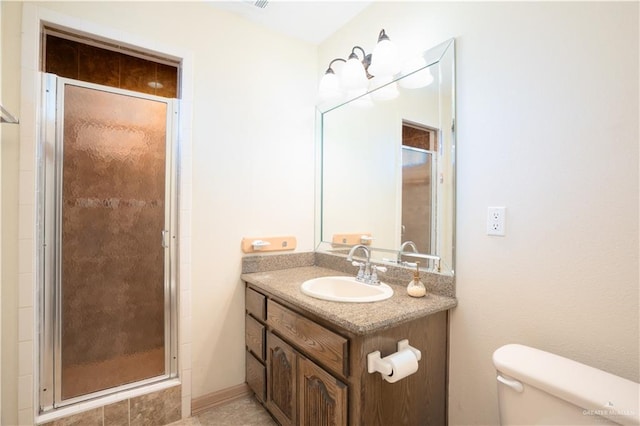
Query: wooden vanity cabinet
{"x": 322, "y": 399}
{"x": 255, "y": 335}
{"x": 312, "y": 372}
{"x": 297, "y": 388}
{"x": 282, "y": 370}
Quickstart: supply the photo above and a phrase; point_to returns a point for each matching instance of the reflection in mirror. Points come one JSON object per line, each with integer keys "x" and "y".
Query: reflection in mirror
{"x": 386, "y": 169}
{"x": 419, "y": 146}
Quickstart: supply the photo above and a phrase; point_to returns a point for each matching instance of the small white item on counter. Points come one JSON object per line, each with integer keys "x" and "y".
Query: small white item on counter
{"x": 416, "y": 291}
{"x": 415, "y": 287}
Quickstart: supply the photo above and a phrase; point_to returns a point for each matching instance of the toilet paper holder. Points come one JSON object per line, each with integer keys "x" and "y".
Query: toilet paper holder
{"x": 377, "y": 364}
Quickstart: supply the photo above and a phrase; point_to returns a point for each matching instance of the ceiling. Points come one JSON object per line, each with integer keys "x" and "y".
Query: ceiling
{"x": 311, "y": 21}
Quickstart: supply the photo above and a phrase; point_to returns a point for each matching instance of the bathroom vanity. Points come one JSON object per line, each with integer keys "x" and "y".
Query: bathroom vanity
{"x": 306, "y": 359}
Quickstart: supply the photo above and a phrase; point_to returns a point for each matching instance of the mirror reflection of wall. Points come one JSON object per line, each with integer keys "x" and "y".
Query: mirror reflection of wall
{"x": 376, "y": 181}
{"x": 362, "y": 164}
{"x": 419, "y": 145}
{"x": 361, "y": 156}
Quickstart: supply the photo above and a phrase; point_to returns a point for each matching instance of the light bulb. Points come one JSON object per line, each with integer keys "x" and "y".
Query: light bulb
{"x": 415, "y": 79}
{"x": 362, "y": 102}
{"x": 354, "y": 76}
{"x": 329, "y": 86}
{"x": 384, "y": 59}
{"x": 383, "y": 88}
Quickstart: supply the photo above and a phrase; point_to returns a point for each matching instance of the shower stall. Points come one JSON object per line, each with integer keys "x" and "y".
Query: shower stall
{"x": 107, "y": 225}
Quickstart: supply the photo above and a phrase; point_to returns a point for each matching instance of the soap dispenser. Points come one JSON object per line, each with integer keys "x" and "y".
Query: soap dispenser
{"x": 415, "y": 287}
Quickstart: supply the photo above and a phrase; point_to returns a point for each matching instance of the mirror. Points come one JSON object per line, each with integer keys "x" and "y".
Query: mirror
{"x": 386, "y": 169}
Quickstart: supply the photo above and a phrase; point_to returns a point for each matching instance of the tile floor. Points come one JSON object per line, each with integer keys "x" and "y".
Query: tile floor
{"x": 245, "y": 411}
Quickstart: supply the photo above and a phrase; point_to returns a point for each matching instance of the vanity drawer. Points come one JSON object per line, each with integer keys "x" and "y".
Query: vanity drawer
{"x": 256, "y": 376}
{"x": 254, "y": 336}
{"x": 317, "y": 342}
{"x": 256, "y": 304}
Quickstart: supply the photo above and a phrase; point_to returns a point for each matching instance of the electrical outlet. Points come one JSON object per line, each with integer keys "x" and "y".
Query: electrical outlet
{"x": 495, "y": 221}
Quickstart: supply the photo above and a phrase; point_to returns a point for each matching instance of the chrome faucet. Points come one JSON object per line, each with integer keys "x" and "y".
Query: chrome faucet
{"x": 367, "y": 273}
{"x": 356, "y": 247}
{"x": 402, "y": 247}
{"x": 364, "y": 273}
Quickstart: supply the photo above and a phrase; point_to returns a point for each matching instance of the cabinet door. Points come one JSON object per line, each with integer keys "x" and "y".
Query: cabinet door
{"x": 281, "y": 380}
{"x": 322, "y": 397}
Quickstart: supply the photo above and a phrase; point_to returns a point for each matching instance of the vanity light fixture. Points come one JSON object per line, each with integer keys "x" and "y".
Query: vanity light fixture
{"x": 416, "y": 79}
{"x": 356, "y": 76}
{"x": 386, "y": 88}
{"x": 330, "y": 84}
{"x": 384, "y": 59}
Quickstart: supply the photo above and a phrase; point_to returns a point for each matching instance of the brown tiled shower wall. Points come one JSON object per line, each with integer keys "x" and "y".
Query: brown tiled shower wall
{"x": 154, "y": 409}
{"x": 71, "y": 59}
{"x": 417, "y": 138}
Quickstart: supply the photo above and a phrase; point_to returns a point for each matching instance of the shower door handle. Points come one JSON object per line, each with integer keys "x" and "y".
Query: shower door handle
{"x": 164, "y": 238}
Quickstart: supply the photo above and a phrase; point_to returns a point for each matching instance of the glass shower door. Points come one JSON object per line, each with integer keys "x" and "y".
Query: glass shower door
{"x": 418, "y": 179}
{"x": 109, "y": 272}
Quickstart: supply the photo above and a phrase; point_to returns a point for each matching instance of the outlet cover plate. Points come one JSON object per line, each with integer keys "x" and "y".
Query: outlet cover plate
{"x": 496, "y": 221}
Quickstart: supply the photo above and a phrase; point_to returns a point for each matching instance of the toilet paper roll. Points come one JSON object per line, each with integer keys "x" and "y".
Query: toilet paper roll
{"x": 403, "y": 364}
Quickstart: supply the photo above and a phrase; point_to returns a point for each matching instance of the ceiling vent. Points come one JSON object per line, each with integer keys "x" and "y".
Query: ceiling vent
{"x": 261, "y": 4}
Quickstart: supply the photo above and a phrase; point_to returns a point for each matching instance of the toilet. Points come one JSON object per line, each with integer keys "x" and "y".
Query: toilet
{"x": 539, "y": 388}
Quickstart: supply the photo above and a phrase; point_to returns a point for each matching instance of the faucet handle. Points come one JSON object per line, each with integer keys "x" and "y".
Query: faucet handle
{"x": 360, "y": 275}
{"x": 374, "y": 273}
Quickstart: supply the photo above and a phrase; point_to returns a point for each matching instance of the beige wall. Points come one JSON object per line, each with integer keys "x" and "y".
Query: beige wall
{"x": 547, "y": 107}
{"x": 548, "y": 127}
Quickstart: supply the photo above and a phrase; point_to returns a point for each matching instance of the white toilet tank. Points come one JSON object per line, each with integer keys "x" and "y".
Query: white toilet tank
{"x": 540, "y": 388}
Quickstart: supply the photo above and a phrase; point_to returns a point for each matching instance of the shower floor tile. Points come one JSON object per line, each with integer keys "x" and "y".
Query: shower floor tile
{"x": 245, "y": 411}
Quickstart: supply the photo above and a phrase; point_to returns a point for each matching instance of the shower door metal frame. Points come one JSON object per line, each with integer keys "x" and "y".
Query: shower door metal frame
{"x": 49, "y": 227}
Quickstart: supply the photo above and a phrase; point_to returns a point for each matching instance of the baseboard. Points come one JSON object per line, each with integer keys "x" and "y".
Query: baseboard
{"x": 212, "y": 399}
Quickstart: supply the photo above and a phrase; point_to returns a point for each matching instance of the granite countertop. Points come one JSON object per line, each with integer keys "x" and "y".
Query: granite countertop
{"x": 358, "y": 318}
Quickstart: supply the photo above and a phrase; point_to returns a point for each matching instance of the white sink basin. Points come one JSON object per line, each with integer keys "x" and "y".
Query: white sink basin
{"x": 345, "y": 289}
